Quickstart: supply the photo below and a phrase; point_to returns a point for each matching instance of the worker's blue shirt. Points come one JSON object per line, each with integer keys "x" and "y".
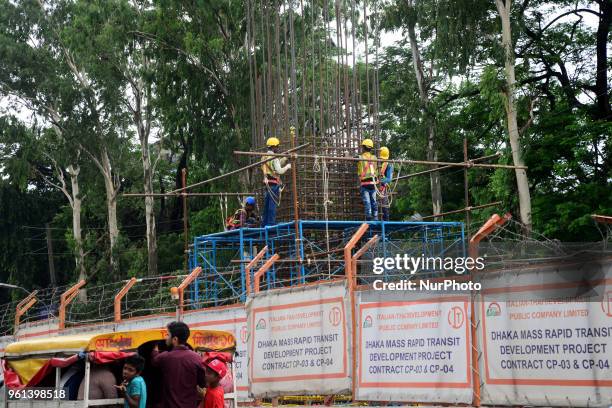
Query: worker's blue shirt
{"x": 137, "y": 387}
{"x": 388, "y": 175}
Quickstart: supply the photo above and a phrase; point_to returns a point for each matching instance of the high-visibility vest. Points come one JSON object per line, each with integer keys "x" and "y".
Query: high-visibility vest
{"x": 270, "y": 175}
{"x": 383, "y": 172}
{"x": 235, "y": 221}
{"x": 383, "y": 169}
{"x": 367, "y": 169}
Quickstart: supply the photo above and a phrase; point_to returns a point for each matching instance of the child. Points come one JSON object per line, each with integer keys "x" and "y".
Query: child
{"x": 133, "y": 388}
{"x": 215, "y": 371}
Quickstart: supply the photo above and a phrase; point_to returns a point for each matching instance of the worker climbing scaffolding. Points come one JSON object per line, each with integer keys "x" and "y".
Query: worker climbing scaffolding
{"x": 386, "y": 175}
{"x": 272, "y": 170}
{"x": 368, "y": 179}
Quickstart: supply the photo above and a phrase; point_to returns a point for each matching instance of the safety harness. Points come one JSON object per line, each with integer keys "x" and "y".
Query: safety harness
{"x": 270, "y": 176}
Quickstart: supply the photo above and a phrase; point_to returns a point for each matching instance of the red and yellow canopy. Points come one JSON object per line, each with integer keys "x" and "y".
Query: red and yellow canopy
{"x": 27, "y": 362}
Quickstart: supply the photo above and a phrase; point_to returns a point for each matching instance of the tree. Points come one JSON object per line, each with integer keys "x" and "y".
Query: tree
{"x": 73, "y": 195}
{"x": 423, "y": 86}
{"x": 53, "y": 98}
{"x": 119, "y": 65}
{"x": 444, "y": 32}
{"x": 504, "y": 10}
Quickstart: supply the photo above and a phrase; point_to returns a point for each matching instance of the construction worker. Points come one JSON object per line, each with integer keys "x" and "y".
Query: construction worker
{"x": 246, "y": 216}
{"x": 368, "y": 177}
{"x": 386, "y": 174}
{"x": 272, "y": 171}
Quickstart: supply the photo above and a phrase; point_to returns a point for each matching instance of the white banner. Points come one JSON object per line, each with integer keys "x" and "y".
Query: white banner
{"x": 417, "y": 351}
{"x": 544, "y": 345}
{"x": 232, "y": 320}
{"x": 299, "y": 341}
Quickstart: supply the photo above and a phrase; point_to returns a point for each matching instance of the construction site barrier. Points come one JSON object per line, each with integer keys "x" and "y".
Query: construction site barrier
{"x": 299, "y": 341}
{"x": 537, "y": 335}
{"x": 413, "y": 348}
{"x": 548, "y": 340}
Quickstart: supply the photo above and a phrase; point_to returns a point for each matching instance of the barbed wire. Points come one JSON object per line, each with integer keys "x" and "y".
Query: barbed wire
{"x": 507, "y": 246}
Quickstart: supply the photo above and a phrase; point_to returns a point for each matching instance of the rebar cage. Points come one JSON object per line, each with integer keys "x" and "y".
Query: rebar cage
{"x": 312, "y": 254}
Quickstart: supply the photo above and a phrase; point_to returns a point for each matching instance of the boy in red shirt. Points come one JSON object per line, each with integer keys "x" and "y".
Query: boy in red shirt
{"x": 215, "y": 371}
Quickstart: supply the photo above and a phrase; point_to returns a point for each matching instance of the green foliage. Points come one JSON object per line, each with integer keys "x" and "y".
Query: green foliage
{"x": 198, "y": 75}
{"x": 491, "y": 89}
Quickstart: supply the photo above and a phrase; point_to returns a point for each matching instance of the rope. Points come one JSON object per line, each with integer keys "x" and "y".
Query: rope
{"x": 320, "y": 166}
{"x": 389, "y": 190}
{"x": 223, "y": 207}
{"x": 316, "y": 167}
{"x": 326, "y": 202}
{"x": 272, "y": 195}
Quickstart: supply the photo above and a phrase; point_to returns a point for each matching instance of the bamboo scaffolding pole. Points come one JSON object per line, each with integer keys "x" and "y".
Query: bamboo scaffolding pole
{"x": 445, "y": 167}
{"x": 357, "y": 159}
{"x": 231, "y": 173}
{"x": 466, "y": 209}
{"x": 187, "y": 194}
{"x": 466, "y": 188}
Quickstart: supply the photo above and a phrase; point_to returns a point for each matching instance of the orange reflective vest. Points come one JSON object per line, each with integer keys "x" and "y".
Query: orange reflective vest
{"x": 366, "y": 169}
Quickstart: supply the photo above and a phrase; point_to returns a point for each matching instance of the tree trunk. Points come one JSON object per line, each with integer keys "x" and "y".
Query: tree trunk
{"x": 149, "y": 206}
{"x": 601, "y": 83}
{"x": 434, "y": 177}
{"x": 112, "y": 188}
{"x": 432, "y": 153}
{"x": 503, "y": 7}
{"x": 73, "y": 171}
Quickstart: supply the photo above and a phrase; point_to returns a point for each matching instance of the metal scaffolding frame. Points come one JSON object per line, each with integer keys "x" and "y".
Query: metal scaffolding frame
{"x": 315, "y": 256}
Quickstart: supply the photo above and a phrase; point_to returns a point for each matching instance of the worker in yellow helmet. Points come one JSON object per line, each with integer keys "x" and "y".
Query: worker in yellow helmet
{"x": 272, "y": 171}
{"x": 386, "y": 174}
{"x": 367, "y": 170}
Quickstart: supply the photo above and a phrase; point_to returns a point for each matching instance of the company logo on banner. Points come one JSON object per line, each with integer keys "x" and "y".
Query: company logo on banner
{"x": 415, "y": 350}
{"x": 456, "y": 317}
{"x": 299, "y": 343}
{"x": 494, "y": 309}
{"x": 335, "y": 316}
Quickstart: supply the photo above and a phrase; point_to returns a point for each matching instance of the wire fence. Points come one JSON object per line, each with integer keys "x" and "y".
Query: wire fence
{"x": 7, "y": 317}
{"x": 508, "y": 247}
{"x": 96, "y": 304}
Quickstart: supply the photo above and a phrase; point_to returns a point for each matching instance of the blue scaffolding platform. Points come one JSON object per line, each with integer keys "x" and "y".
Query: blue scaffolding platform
{"x": 224, "y": 255}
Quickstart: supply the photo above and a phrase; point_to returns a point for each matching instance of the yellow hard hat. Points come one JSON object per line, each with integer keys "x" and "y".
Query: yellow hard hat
{"x": 368, "y": 143}
{"x": 384, "y": 152}
{"x": 272, "y": 141}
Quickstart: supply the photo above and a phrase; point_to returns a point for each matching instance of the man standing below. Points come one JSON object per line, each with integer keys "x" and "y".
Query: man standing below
{"x": 272, "y": 171}
{"x": 386, "y": 174}
{"x": 367, "y": 171}
{"x": 181, "y": 368}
